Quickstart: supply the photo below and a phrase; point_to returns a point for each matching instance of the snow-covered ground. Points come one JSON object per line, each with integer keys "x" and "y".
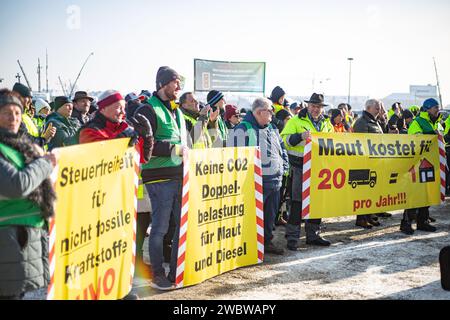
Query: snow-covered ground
{"x": 381, "y": 263}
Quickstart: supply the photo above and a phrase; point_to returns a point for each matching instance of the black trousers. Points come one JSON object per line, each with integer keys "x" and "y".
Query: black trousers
{"x": 142, "y": 223}
{"x": 422, "y": 215}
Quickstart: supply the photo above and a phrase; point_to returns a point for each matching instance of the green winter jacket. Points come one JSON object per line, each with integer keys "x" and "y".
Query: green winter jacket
{"x": 67, "y": 130}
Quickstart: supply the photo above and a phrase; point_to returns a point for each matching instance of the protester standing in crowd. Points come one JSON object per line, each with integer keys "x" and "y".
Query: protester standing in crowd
{"x": 382, "y": 120}
{"x": 447, "y": 150}
{"x": 163, "y": 174}
{"x": 348, "y": 120}
{"x": 296, "y": 107}
{"x": 425, "y": 123}
{"x": 283, "y": 116}
{"x": 218, "y": 129}
{"x": 81, "y": 106}
{"x": 408, "y": 117}
{"x": 28, "y": 127}
{"x": 26, "y": 202}
{"x": 368, "y": 123}
{"x": 144, "y": 208}
{"x": 196, "y": 121}
{"x": 278, "y": 99}
{"x": 396, "y": 108}
{"x": 232, "y": 116}
{"x": 109, "y": 123}
{"x": 66, "y": 127}
{"x": 132, "y": 103}
{"x": 279, "y": 103}
{"x": 295, "y": 134}
{"x": 42, "y": 109}
{"x": 256, "y": 130}
{"x": 337, "y": 120}
{"x": 395, "y": 118}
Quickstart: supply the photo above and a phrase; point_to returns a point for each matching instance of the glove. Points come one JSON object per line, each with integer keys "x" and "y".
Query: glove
{"x": 129, "y": 133}
{"x": 148, "y": 148}
{"x": 141, "y": 125}
{"x": 295, "y": 139}
{"x": 49, "y": 133}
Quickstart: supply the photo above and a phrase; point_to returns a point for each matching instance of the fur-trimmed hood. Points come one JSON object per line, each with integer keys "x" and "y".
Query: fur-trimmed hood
{"x": 44, "y": 195}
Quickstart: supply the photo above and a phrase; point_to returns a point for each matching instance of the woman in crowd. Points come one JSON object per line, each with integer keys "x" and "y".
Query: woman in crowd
{"x": 26, "y": 202}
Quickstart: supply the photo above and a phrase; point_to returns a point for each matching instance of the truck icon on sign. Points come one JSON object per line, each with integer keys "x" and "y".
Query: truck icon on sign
{"x": 362, "y": 177}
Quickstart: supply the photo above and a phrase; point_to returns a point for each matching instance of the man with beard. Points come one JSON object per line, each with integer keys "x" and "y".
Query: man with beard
{"x": 81, "y": 106}
{"x": 425, "y": 123}
{"x": 163, "y": 174}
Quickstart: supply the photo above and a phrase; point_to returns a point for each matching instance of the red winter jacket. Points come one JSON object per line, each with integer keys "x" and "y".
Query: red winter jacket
{"x": 100, "y": 129}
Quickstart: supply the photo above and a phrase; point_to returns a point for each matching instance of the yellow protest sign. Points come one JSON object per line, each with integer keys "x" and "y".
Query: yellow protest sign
{"x": 350, "y": 174}
{"x": 221, "y": 225}
{"x": 92, "y": 236}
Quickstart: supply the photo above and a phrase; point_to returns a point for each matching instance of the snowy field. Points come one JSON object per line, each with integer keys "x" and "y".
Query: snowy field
{"x": 381, "y": 263}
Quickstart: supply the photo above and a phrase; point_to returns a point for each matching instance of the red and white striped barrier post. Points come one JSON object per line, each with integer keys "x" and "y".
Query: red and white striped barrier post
{"x": 137, "y": 170}
{"x": 443, "y": 162}
{"x": 183, "y": 223}
{"x": 259, "y": 206}
{"x": 51, "y": 243}
{"x": 306, "y": 184}
{"x": 52, "y": 238}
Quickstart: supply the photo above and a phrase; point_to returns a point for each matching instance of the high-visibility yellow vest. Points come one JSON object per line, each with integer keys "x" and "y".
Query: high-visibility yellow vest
{"x": 299, "y": 125}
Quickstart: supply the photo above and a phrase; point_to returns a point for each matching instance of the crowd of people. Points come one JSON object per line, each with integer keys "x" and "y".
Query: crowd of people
{"x": 164, "y": 125}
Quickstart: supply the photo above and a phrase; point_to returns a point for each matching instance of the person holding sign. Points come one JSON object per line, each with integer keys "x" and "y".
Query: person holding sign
{"x": 295, "y": 134}
{"x": 425, "y": 123}
{"x": 163, "y": 174}
{"x": 26, "y": 202}
{"x": 368, "y": 123}
{"x": 256, "y": 130}
{"x": 109, "y": 123}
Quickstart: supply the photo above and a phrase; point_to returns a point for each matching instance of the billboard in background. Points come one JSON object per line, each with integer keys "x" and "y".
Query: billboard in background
{"x": 229, "y": 76}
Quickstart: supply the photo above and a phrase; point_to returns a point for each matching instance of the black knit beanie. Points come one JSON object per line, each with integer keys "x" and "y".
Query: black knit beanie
{"x": 21, "y": 89}
{"x": 60, "y": 101}
{"x": 283, "y": 114}
{"x": 277, "y": 93}
{"x": 164, "y": 76}
{"x": 213, "y": 97}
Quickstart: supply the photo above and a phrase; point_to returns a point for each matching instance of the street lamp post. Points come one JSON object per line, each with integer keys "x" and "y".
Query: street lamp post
{"x": 349, "y": 78}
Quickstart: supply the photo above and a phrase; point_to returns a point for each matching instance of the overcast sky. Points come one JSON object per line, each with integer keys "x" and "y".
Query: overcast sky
{"x": 392, "y": 42}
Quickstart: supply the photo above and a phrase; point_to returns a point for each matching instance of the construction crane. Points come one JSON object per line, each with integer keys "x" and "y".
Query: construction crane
{"x": 79, "y": 73}
{"x": 62, "y": 86}
{"x": 437, "y": 81}
{"x": 24, "y": 75}
{"x": 39, "y": 74}
{"x": 46, "y": 70}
